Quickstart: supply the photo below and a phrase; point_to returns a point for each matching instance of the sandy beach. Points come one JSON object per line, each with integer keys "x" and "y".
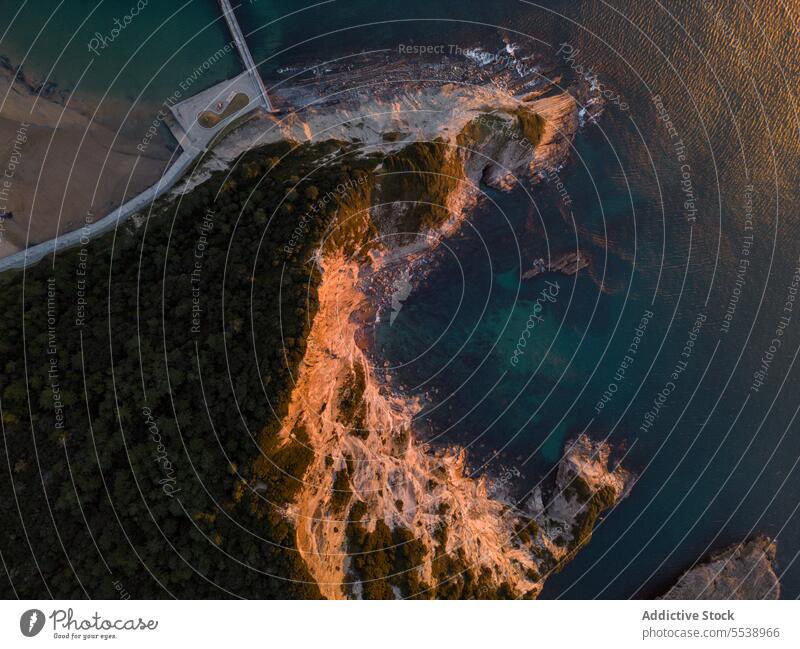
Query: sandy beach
{"x": 59, "y": 164}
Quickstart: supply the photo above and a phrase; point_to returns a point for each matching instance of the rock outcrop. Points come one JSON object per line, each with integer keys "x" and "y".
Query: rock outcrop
{"x": 381, "y": 514}
{"x": 742, "y": 571}
{"x": 387, "y": 103}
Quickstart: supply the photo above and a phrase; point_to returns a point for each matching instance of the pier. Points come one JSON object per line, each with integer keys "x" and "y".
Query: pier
{"x": 244, "y": 51}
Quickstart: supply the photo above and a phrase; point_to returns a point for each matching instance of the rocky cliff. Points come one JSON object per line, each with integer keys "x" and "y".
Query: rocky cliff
{"x": 380, "y": 514}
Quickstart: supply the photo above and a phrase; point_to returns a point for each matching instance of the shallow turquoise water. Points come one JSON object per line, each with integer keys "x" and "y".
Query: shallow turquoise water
{"x": 143, "y": 62}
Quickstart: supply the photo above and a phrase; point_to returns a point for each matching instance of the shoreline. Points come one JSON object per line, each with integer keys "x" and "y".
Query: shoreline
{"x": 409, "y": 484}
{"x": 371, "y": 475}
{"x": 46, "y": 192}
{"x": 308, "y": 105}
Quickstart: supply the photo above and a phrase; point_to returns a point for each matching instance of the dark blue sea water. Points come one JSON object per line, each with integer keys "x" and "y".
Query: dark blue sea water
{"x": 676, "y": 225}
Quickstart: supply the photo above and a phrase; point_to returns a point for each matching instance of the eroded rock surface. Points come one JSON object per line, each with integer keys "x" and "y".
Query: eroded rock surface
{"x": 742, "y": 571}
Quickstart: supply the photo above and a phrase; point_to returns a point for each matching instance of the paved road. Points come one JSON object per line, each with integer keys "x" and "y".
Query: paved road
{"x": 40, "y": 251}
{"x": 193, "y": 142}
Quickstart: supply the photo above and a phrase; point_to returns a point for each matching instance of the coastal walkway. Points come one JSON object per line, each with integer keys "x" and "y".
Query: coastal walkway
{"x": 82, "y": 236}
{"x": 193, "y": 138}
{"x": 190, "y": 133}
{"x": 244, "y": 51}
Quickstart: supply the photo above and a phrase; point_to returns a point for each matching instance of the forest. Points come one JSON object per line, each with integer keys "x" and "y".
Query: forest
{"x": 144, "y": 378}
{"x": 146, "y": 374}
